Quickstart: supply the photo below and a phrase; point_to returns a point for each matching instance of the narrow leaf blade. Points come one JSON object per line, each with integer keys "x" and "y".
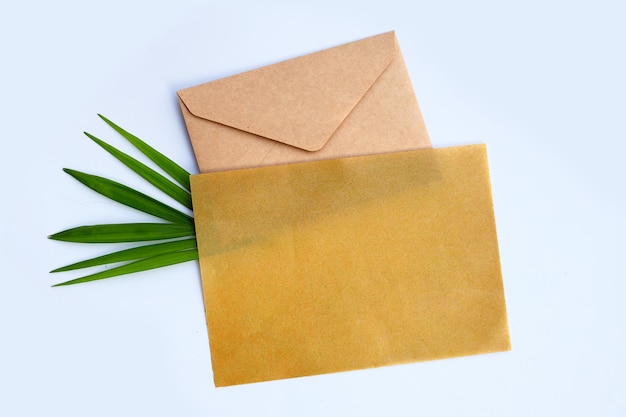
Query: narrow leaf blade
{"x": 129, "y": 197}
{"x": 170, "y": 167}
{"x": 140, "y": 252}
{"x": 147, "y": 173}
{"x": 158, "y": 261}
{"x": 124, "y": 232}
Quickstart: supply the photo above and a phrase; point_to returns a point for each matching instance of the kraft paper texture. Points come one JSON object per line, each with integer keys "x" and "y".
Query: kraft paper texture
{"x": 353, "y": 99}
{"x": 349, "y": 263}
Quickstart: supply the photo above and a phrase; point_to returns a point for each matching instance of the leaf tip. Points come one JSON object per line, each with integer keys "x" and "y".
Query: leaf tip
{"x": 71, "y": 172}
{"x": 66, "y": 283}
{"x": 107, "y": 121}
{"x": 93, "y": 138}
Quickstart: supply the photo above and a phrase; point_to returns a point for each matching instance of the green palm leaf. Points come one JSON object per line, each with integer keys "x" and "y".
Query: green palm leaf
{"x": 139, "y": 252}
{"x": 170, "y": 167}
{"x": 124, "y": 232}
{"x": 158, "y": 261}
{"x": 147, "y": 173}
{"x": 129, "y": 197}
{"x": 178, "y": 231}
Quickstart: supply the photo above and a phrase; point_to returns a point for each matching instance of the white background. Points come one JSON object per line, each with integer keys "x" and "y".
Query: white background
{"x": 540, "y": 82}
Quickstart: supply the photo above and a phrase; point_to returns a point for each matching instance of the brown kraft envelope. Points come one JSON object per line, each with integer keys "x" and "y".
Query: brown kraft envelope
{"x": 354, "y": 99}
{"x": 329, "y": 242}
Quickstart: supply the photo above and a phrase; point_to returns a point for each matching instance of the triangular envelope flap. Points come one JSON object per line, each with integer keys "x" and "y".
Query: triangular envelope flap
{"x": 299, "y": 102}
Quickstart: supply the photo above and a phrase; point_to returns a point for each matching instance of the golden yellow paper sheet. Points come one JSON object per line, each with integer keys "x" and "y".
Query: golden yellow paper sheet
{"x": 350, "y": 263}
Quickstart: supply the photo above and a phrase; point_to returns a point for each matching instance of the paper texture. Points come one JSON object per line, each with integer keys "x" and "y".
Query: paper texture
{"x": 349, "y": 263}
{"x": 353, "y": 99}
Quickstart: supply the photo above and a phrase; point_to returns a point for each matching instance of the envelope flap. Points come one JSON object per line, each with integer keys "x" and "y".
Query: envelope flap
{"x": 298, "y": 102}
